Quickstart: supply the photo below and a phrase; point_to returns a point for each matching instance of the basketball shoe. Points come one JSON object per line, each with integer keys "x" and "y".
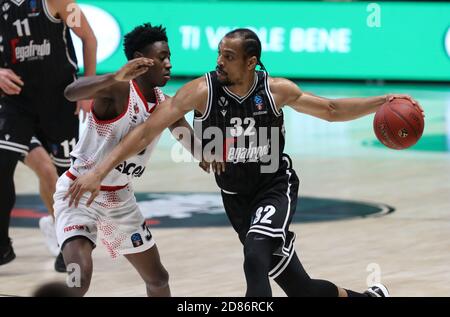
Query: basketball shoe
{"x": 7, "y": 253}
{"x": 47, "y": 227}
{"x": 377, "y": 290}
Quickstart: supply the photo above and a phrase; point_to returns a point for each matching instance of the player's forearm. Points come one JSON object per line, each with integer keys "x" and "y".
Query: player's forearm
{"x": 183, "y": 133}
{"x": 352, "y": 108}
{"x": 90, "y": 56}
{"x": 132, "y": 144}
{"x": 87, "y": 87}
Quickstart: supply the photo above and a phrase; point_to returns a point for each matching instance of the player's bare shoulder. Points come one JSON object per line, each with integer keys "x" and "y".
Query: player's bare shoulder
{"x": 283, "y": 90}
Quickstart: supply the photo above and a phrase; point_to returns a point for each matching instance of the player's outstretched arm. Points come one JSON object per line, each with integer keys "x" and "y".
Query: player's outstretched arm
{"x": 183, "y": 133}
{"x": 103, "y": 86}
{"x": 287, "y": 93}
{"x": 74, "y": 18}
{"x": 165, "y": 114}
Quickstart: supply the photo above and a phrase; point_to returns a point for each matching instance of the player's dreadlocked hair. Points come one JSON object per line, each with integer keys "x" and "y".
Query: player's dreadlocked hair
{"x": 141, "y": 36}
{"x": 252, "y": 44}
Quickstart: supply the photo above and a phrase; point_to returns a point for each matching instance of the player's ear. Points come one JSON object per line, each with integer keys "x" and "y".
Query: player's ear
{"x": 251, "y": 63}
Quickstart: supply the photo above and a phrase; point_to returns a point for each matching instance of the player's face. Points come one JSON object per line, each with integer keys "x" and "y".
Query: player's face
{"x": 159, "y": 73}
{"x": 231, "y": 62}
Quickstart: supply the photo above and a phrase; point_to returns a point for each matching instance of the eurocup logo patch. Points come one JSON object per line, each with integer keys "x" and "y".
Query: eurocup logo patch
{"x": 259, "y": 103}
{"x": 33, "y": 5}
{"x": 447, "y": 42}
{"x": 136, "y": 239}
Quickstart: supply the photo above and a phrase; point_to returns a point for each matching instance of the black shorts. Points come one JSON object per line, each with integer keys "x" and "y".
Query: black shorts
{"x": 269, "y": 211}
{"x": 49, "y": 117}
{"x": 34, "y": 143}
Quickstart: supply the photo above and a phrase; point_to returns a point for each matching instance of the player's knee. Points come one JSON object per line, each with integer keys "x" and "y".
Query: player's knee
{"x": 48, "y": 170}
{"x": 257, "y": 253}
{"x": 47, "y": 175}
{"x": 255, "y": 262}
{"x": 158, "y": 280}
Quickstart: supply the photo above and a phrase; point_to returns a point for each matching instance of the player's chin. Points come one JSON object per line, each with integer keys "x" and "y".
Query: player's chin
{"x": 164, "y": 81}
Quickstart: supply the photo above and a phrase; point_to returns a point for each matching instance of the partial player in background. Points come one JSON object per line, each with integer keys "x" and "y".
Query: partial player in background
{"x": 37, "y": 62}
{"x": 240, "y": 110}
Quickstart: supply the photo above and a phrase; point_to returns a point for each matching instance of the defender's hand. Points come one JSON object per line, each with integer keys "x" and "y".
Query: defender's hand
{"x": 10, "y": 83}
{"x": 133, "y": 69}
{"x": 89, "y": 182}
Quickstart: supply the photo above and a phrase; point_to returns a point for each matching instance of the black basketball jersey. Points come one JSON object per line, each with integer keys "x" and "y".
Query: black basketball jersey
{"x": 34, "y": 44}
{"x": 246, "y": 132}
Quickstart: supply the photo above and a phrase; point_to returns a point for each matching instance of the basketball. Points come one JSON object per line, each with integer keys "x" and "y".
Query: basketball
{"x": 398, "y": 124}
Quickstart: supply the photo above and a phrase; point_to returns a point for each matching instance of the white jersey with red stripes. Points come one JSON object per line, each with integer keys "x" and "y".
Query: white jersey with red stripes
{"x": 101, "y": 136}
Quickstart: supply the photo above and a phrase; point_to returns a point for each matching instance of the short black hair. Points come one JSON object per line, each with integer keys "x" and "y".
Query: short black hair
{"x": 252, "y": 44}
{"x": 141, "y": 36}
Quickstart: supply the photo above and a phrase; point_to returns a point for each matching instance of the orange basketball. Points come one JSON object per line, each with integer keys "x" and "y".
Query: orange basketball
{"x": 398, "y": 124}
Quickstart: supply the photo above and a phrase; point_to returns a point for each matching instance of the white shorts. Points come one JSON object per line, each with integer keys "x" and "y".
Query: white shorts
{"x": 114, "y": 213}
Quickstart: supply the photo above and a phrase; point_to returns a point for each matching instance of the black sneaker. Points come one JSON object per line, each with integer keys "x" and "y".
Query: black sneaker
{"x": 377, "y": 290}
{"x": 7, "y": 253}
{"x": 60, "y": 266}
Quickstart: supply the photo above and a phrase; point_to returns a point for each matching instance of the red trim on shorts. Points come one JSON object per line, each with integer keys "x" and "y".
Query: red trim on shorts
{"x": 99, "y": 121}
{"x": 102, "y": 188}
{"x": 136, "y": 87}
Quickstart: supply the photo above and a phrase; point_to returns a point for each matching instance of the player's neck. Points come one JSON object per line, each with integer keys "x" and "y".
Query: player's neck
{"x": 147, "y": 90}
{"x": 243, "y": 87}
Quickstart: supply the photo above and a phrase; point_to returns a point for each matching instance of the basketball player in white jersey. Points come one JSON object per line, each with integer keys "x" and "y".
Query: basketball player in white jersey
{"x": 122, "y": 101}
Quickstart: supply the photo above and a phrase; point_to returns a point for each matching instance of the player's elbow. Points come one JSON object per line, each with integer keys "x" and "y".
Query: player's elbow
{"x": 332, "y": 113}
{"x": 69, "y": 93}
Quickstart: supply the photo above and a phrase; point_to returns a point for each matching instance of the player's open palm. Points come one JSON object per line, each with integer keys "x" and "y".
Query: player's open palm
{"x": 89, "y": 182}
{"x": 133, "y": 69}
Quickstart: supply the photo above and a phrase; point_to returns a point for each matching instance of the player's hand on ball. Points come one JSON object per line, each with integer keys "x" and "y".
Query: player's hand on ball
{"x": 89, "y": 182}
{"x": 133, "y": 69}
{"x": 391, "y": 97}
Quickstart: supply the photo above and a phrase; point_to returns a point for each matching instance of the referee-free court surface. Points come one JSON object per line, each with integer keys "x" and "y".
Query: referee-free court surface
{"x": 365, "y": 212}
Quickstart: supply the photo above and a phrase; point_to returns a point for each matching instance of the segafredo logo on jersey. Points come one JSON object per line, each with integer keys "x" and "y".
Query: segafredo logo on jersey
{"x": 30, "y": 52}
{"x": 130, "y": 169}
{"x": 447, "y": 42}
{"x": 106, "y": 30}
{"x": 250, "y": 153}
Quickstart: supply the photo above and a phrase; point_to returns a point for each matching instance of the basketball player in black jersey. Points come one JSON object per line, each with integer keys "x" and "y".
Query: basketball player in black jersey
{"x": 37, "y": 61}
{"x": 259, "y": 187}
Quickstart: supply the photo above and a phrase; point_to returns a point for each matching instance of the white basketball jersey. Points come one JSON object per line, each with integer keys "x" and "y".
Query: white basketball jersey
{"x": 101, "y": 136}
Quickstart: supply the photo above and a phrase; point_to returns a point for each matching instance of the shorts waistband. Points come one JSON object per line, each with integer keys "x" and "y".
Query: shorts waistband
{"x": 102, "y": 188}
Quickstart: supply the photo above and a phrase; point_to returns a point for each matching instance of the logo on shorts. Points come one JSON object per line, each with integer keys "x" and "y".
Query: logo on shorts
{"x": 77, "y": 227}
{"x": 136, "y": 239}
